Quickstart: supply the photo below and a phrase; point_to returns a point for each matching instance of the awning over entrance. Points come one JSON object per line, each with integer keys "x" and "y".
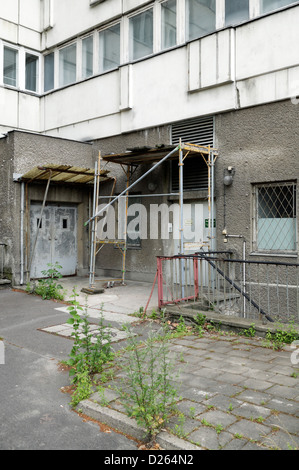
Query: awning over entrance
{"x": 62, "y": 174}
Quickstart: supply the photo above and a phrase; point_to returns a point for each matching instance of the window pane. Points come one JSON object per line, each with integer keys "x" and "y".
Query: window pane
{"x": 141, "y": 35}
{"x": 168, "y": 24}
{"x": 109, "y": 48}
{"x": 10, "y": 66}
{"x": 201, "y": 17}
{"x": 276, "y": 214}
{"x": 31, "y": 72}
{"x": 49, "y": 72}
{"x": 87, "y": 57}
{"x": 268, "y": 5}
{"x": 236, "y": 11}
{"x": 67, "y": 65}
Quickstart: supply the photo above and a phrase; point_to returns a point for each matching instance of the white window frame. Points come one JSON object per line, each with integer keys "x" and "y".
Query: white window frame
{"x": 78, "y": 62}
{"x": 17, "y": 50}
{"x": 80, "y": 54}
{"x": 121, "y": 35}
{"x": 21, "y": 68}
{"x": 152, "y": 7}
{"x": 160, "y": 25}
{"x": 54, "y": 71}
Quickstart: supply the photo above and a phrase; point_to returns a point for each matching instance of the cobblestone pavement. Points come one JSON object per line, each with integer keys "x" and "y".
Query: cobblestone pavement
{"x": 235, "y": 394}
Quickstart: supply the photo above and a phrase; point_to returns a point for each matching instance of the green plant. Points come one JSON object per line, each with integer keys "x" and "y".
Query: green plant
{"x": 49, "y": 288}
{"x": 179, "y": 428}
{"x": 250, "y": 332}
{"x": 91, "y": 350}
{"x": 147, "y": 394}
{"x": 181, "y": 327}
{"x": 200, "y": 320}
{"x": 283, "y": 335}
{"x": 83, "y": 387}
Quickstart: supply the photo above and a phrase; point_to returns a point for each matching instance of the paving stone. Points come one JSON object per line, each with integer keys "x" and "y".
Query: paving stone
{"x": 206, "y": 372}
{"x": 235, "y": 444}
{"x": 280, "y": 379}
{"x": 217, "y": 417}
{"x": 209, "y": 439}
{"x": 252, "y": 396}
{"x": 190, "y": 408}
{"x": 284, "y": 370}
{"x": 285, "y": 405}
{"x": 196, "y": 394}
{"x": 257, "y": 384}
{"x": 285, "y": 422}
{"x": 281, "y": 440}
{"x": 229, "y": 377}
{"x": 182, "y": 426}
{"x": 281, "y": 391}
{"x": 223, "y": 403}
{"x": 251, "y": 411}
{"x": 249, "y": 430}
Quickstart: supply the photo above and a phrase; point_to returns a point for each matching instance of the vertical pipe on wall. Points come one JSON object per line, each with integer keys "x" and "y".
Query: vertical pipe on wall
{"x": 181, "y": 189}
{"x": 22, "y": 234}
{"x": 92, "y": 247}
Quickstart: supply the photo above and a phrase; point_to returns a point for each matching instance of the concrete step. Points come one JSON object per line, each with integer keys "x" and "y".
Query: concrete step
{"x": 4, "y": 283}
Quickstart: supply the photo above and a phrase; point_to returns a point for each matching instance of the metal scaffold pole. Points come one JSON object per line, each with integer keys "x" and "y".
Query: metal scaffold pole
{"x": 93, "y": 243}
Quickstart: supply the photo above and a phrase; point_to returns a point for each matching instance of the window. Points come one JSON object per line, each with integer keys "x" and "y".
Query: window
{"x": 49, "y": 72}
{"x": 141, "y": 35}
{"x": 168, "y": 24}
{"x": 87, "y": 57}
{"x": 236, "y": 11}
{"x": 10, "y": 67}
{"x": 31, "y": 72}
{"x": 109, "y": 48}
{"x": 201, "y": 18}
{"x": 275, "y": 224}
{"x": 67, "y": 65}
{"x": 269, "y": 5}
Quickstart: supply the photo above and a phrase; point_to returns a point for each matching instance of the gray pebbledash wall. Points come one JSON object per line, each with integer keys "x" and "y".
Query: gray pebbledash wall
{"x": 20, "y": 152}
{"x": 261, "y": 143}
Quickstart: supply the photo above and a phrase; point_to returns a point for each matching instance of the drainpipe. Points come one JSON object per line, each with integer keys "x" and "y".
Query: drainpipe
{"x": 181, "y": 215}
{"x": 22, "y": 234}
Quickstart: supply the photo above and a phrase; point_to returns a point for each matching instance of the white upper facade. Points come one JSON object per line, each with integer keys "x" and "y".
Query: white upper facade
{"x": 87, "y": 69}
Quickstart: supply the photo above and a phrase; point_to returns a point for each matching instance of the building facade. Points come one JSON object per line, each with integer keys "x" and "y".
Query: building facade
{"x": 80, "y": 77}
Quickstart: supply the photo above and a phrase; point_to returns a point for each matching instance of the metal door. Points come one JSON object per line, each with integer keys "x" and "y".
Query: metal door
{"x": 56, "y": 241}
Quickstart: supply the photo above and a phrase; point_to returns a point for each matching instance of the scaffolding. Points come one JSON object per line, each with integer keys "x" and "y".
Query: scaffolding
{"x": 156, "y": 157}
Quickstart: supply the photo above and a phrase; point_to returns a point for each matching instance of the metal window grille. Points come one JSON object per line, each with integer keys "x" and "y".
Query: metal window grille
{"x": 276, "y": 224}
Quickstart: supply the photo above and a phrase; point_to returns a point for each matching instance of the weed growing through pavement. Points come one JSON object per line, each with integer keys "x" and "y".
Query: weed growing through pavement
{"x": 147, "y": 392}
{"x": 49, "y": 288}
{"x": 91, "y": 349}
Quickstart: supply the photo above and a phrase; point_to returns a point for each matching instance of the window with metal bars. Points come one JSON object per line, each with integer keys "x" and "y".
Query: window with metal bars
{"x": 195, "y": 131}
{"x": 275, "y": 217}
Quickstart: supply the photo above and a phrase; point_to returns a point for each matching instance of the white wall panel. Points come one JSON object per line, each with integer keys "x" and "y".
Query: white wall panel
{"x": 29, "y": 112}
{"x": 267, "y": 44}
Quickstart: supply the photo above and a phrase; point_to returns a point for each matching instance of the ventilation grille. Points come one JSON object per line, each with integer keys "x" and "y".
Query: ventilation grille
{"x": 196, "y": 131}
{"x": 195, "y": 174}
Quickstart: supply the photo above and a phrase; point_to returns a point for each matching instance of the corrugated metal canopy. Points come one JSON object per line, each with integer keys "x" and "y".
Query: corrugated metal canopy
{"x": 62, "y": 174}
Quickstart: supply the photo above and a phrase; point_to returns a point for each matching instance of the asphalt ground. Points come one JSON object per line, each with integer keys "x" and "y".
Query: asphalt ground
{"x": 234, "y": 393}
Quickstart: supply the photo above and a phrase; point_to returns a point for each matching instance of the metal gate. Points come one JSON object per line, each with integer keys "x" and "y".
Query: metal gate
{"x": 56, "y": 241}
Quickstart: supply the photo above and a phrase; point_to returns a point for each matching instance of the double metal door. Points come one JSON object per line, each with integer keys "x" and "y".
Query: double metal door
{"x": 56, "y": 240}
